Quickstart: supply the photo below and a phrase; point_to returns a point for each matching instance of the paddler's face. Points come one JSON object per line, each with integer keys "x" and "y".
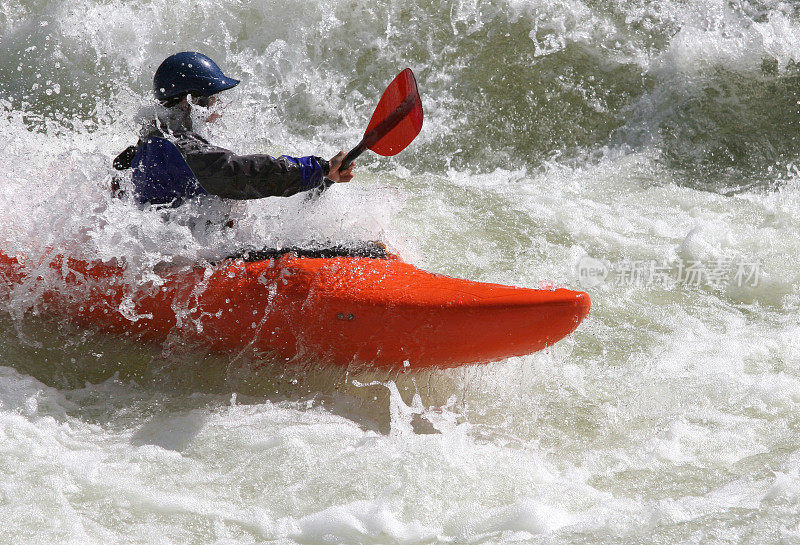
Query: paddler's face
{"x": 208, "y": 103}
{"x": 205, "y": 102}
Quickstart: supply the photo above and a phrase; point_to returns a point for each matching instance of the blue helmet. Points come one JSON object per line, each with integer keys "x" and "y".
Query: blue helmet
{"x": 189, "y": 72}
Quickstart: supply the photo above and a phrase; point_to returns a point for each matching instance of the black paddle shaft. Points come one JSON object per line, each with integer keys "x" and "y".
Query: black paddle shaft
{"x": 353, "y": 155}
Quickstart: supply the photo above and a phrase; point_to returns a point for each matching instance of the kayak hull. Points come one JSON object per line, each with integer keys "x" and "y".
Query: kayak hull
{"x": 346, "y": 311}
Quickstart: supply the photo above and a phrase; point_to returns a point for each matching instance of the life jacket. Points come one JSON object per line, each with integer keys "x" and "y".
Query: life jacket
{"x": 161, "y": 175}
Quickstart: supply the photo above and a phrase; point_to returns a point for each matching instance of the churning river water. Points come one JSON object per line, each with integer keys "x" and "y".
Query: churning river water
{"x": 645, "y": 151}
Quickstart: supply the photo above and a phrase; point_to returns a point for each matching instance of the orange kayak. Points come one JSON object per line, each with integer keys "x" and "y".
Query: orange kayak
{"x": 347, "y": 311}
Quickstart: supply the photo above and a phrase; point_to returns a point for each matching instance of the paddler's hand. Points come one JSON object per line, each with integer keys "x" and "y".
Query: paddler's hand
{"x": 337, "y": 175}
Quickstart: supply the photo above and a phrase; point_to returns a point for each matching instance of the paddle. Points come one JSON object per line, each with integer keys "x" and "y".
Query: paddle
{"x": 396, "y": 121}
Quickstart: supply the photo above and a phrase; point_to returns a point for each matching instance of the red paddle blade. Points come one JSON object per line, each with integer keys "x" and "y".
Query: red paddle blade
{"x": 397, "y": 119}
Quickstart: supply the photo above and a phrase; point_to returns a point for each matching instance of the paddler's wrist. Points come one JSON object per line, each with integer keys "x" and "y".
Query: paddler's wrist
{"x": 326, "y": 168}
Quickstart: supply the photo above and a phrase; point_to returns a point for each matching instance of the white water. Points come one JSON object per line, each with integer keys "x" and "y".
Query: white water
{"x": 622, "y": 130}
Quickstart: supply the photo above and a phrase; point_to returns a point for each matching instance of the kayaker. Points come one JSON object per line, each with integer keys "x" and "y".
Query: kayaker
{"x": 172, "y": 164}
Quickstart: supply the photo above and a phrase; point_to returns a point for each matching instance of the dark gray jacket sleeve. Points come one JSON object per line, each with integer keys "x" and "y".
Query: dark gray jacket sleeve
{"x": 221, "y": 172}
